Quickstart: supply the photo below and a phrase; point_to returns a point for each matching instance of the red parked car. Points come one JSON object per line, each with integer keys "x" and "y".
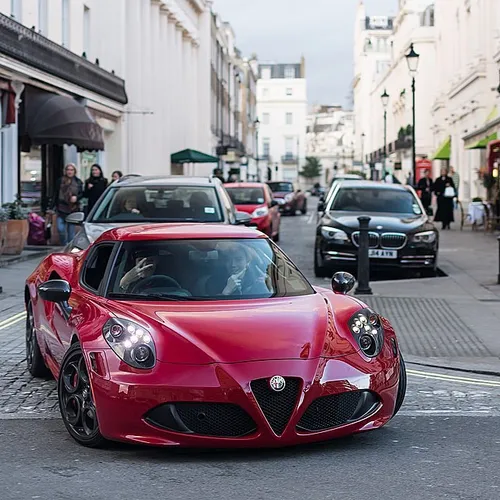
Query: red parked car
{"x": 206, "y": 335}
{"x": 256, "y": 199}
{"x": 289, "y": 200}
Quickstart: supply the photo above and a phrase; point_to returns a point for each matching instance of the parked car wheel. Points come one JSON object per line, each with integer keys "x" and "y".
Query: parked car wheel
{"x": 34, "y": 358}
{"x": 304, "y": 208}
{"x": 320, "y": 271}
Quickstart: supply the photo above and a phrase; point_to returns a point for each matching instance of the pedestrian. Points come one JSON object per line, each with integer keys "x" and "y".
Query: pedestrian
{"x": 444, "y": 188}
{"x": 116, "y": 175}
{"x": 67, "y": 195}
{"x": 425, "y": 186}
{"x": 95, "y": 185}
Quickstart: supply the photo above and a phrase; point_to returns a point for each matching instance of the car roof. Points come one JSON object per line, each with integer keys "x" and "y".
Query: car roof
{"x": 347, "y": 176}
{"x": 179, "y": 231}
{"x": 244, "y": 185}
{"x": 166, "y": 180}
{"x": 372, "y": 185}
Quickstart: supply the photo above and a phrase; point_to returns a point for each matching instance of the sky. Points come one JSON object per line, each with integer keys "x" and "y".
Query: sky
{"x": 321, "y": 30}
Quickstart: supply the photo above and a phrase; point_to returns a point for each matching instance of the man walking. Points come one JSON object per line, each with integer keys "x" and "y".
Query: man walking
{"x": 425, "y": 186}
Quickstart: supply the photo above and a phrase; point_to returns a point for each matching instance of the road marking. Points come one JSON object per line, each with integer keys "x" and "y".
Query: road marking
{"x": 310, "y": 218}
{"x": 15, "y": 317}
{"x": 13, "y": 322}
{"x": 451, "y": 378}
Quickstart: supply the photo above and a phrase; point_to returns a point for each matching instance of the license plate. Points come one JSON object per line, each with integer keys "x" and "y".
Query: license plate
{"x": 376, "y": 253}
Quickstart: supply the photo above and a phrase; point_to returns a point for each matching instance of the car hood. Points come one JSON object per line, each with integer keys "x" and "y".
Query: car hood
{"x": 239, "y": 331}
{"x": 378, "y": 222}
{"x": 249, "y": 209}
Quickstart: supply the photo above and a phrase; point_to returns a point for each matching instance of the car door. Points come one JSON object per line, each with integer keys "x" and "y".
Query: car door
{"x": 65, "y": 321}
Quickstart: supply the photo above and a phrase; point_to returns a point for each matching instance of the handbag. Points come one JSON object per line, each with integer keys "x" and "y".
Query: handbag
{"x": 449, "y": 192}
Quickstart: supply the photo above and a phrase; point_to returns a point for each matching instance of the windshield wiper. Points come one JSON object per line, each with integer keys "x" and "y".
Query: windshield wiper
{"x": 149, "y": 296}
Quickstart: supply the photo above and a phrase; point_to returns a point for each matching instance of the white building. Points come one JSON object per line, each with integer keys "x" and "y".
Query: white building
{"x": 282, "y": 112}
{"x": 330, "y": 138}
{"x": 159, "y": 50}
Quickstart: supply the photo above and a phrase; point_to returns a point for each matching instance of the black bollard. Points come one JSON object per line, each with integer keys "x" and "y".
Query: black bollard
{"x": 363, "y": 287}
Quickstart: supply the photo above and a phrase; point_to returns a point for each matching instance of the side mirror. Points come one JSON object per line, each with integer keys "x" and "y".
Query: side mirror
{"x": 274, "y": 203}
{"x": 321, "y": 207}
{"x": 242, "y": 218}
{"x": 75, "y": 218}
{"x": 430, "y": 212}
{"x": 57, "y": 291}
{"x": 343, "y": 282}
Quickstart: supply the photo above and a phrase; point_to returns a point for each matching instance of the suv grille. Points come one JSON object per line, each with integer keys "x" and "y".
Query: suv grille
{"x": 393, "y": 240}
{"x": 277, "y": 407}
{"x": 331, "y": 411}
{"x": 204, "y": 419}
{"x": 373, "y": 239}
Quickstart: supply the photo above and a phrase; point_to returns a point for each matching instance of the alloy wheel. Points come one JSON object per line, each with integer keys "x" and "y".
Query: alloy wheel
{"x": 30, "y": 338}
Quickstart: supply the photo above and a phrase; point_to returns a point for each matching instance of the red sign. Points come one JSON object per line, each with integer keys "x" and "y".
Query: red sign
{"x": 422, "y": 166}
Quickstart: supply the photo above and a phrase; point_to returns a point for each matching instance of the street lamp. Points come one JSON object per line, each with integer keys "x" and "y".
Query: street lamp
{"x": 385, "y": 102}
{"x": 256, "y": 124}
{"x": 412, "y": 58}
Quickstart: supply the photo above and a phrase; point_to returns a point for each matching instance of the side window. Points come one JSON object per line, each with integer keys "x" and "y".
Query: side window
{"x": 96, "y": 264}
{"x": 228, "y": 205}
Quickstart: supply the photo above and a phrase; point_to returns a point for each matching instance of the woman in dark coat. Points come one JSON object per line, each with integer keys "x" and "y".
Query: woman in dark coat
{"x": 444, "y": 212}
{"x": 95, "y": 185}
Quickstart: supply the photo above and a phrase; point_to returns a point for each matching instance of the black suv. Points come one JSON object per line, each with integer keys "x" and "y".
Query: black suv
{"x": 141, "y": 200}
{"x": 401, "y": 235}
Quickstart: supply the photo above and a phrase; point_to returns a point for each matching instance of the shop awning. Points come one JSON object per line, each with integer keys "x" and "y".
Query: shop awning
{"x": 483, "y": 143}
{"x": 444, "y": 151}
{"x": 56, "y": 119}
{"x": 192, "y": 156}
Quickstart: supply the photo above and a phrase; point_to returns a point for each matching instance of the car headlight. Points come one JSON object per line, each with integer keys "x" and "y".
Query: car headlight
{"x": 289, "y": 197}
{"x": 331, "y": 233}
{"x": 130, "y": 342}
{"x": 260, "y": 212}
{"x": 425, "y": 237}
{"x": 367, "y": 330}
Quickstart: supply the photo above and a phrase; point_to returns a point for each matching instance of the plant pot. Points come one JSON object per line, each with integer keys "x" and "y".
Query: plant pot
{"x": 3, "y": 236}
{"x": 17, "y": 235}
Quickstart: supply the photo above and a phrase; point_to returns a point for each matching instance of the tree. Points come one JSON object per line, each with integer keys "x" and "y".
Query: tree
{"x": 312, "y": 168}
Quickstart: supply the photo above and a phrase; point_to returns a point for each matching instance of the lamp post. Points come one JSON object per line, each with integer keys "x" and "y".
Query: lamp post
{"x": 256, "y": 124}
{"x": 385, "y": 101}
{"x": 412, "y": 58}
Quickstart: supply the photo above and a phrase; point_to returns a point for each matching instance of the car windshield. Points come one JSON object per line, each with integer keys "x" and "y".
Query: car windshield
{"x": 281, "y": 187}
{"x": 218, "y": 269}
{"x": 159, "y": 204}
{"x": 246, "y": 195}
{"x": 375, "y": 200}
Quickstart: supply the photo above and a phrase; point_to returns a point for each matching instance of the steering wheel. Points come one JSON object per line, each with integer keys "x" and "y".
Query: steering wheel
{"x": 155, "y": 282}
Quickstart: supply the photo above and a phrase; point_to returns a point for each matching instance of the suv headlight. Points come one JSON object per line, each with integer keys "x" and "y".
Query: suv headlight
{"x": 130, "y": 342}
{"x": 289, "y": 197}
{"x": 425, "y": 237}
{"x": 331, "y": 233}
{"x": 260, "y": 212}
{"x": 367, "y": 330}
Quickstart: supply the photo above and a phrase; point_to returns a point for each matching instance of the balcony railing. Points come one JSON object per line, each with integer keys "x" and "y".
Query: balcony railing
{"x": 289, "y": 159}
{"x": 29, "y": 47}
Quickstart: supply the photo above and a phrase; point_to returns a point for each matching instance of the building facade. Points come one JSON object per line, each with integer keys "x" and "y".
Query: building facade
{"x": 282, "y": 113}
{"x": 330, "y": 138}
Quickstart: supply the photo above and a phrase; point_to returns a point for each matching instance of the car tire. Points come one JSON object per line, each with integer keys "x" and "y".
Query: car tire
{"x": 76, "y": 401}
{"x": 403, "y": 380}
{"x": 34, "y": 359}
{"x": 320, "y": 271}
{"x": 304, "y": 208}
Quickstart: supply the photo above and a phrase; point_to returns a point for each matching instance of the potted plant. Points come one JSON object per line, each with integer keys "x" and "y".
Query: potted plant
{"x": 4, "y": 217}
{"x": 17, "y": 228}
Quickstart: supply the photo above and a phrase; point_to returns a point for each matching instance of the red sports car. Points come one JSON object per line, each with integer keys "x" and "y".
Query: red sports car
{"x": 256, "y": 199}
{"x": 206, "y": 336}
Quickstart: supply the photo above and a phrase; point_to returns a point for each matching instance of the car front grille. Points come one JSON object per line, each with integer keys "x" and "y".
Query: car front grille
{"x": 334, "y": 410}
{"x": 277, "y": 407}
{"x": 203, "y": 419}
{"x": 394, "y": 241}
{"x": 373, "y": 239}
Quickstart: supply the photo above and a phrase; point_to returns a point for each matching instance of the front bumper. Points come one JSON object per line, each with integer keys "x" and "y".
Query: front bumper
{"x": 125, "y": 401}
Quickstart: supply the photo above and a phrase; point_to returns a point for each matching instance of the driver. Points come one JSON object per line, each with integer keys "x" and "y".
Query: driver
{"x": 144, "y": 268}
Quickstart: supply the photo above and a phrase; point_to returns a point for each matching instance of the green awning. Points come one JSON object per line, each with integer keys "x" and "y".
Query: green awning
{"x": 192, "y": 156}
{"x": 483, "y": 143}
{"x": 444, "y": 151}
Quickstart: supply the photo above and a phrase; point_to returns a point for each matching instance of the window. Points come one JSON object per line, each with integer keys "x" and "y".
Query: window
{"x": 281, "y": 187}
{"x": 204, "y": 270}
{"x": 43, "y": 17}
{"x": 141, "y": 204}
{"x": 289, "y": 118}
{"x": 246, "y": 196}
{"x": 265, "y": 119}
{"x": 95, "y": 267}
{"x": 289, "y": 72}
{"x": 16, "y": 9}
{"x": 65, "y": 23}
{"x": 86, "y": 30}
{"x": 289, "y": 91}
{"x": 266, "y": 147}
{"x": 265, "y": 73}
{"x": 288, "y": 146}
